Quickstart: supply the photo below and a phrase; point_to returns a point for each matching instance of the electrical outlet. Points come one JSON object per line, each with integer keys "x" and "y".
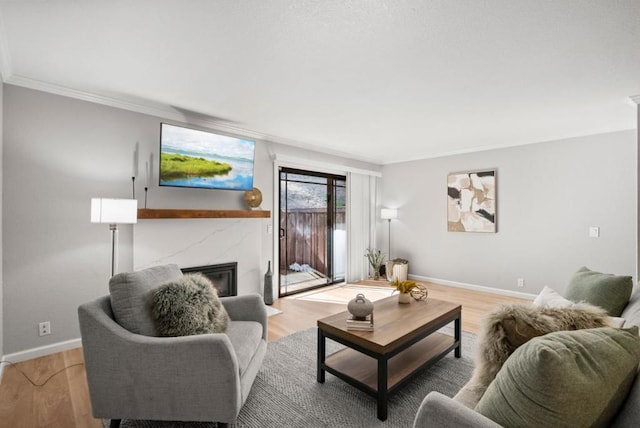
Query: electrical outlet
{"x": 520, "y": 282}
{"x": 44, "y": 328}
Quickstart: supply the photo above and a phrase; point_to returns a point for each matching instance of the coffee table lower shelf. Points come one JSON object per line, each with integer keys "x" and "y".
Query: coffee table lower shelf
{"x": 361, "y": 371}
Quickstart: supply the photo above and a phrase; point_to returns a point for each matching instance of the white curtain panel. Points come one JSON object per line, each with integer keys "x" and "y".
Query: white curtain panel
{"x": 361, "y": 221}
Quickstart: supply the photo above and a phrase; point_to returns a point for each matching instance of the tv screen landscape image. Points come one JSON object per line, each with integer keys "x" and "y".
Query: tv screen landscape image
{"x": 204, "y": 160}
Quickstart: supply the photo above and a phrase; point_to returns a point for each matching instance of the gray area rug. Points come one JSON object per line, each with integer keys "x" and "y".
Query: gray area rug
{"x": 286, "y": 394}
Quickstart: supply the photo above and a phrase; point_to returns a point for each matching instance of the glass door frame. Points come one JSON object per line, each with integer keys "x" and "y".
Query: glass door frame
{"x": 330, "y": 223}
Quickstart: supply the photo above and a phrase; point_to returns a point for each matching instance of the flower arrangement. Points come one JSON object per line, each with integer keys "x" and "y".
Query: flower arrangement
{"x": 376, "y": 259}
{"x": 404, "y": 286}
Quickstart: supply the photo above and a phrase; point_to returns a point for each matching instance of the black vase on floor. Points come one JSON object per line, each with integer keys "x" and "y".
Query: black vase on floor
{"x": 268, "y": 286}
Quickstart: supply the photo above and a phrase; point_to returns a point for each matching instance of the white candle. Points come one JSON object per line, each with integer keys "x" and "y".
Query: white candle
{"x": 146, "y": 167}
{"x": 151, "y": 166}
{"x": 135, "y": 161}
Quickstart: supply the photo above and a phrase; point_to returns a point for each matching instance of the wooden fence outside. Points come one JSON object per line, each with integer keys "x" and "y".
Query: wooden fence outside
{"x": 306, "y": 242}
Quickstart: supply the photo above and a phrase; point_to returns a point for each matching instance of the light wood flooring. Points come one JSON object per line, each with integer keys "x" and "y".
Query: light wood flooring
{"x": 63, "y": 401}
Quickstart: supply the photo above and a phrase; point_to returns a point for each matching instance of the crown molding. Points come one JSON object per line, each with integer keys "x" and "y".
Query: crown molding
{"x": 635, "y": 99}
{"x": 169, "y": 113}
{"x": 138, "y": 106}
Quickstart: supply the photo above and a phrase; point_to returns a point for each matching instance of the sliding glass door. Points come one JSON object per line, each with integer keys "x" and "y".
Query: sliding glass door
{"x": 312, "y": 230}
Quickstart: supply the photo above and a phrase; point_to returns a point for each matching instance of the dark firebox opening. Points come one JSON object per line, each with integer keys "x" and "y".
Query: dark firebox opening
{"x": 224, "y": 277}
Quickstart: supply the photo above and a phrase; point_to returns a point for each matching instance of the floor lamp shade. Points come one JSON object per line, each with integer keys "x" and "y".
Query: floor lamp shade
{"x": 388, "y": 213}
{"x": 114, "y": 212}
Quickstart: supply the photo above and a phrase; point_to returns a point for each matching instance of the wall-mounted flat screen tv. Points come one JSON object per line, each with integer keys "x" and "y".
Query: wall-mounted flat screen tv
{"x": 204, "y": 160}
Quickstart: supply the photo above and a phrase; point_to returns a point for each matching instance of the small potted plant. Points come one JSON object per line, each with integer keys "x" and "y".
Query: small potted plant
{"x": 376, "y": 260}
{"x": 404, "y": 288}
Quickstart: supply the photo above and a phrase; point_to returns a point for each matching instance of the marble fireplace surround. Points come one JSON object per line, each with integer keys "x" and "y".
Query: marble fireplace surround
{"x": 200, "y": 242}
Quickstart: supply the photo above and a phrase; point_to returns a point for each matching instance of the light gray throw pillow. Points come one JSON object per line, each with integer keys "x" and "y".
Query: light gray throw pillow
{"x": 131, "y": 296}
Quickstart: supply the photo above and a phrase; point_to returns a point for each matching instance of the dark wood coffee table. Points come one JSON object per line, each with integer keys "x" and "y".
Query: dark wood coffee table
{"x": 403, "y": 342}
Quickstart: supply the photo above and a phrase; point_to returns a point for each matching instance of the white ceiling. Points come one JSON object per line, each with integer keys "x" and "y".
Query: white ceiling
{"x": 382, "y": 81}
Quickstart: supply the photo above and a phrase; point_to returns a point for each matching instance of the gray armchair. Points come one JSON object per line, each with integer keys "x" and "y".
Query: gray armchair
{"x": 191, "y": 378}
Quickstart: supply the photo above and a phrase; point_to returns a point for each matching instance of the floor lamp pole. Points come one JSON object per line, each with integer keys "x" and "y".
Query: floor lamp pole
{"x": 114, "y": 248}
{"x": 389, "y": 221}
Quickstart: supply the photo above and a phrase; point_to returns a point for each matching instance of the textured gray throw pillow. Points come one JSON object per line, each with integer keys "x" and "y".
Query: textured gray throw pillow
{"x": 188, "y": 306}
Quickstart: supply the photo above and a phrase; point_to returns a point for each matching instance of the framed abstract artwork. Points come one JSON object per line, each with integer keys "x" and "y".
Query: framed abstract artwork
{"x": 471, "y": 201}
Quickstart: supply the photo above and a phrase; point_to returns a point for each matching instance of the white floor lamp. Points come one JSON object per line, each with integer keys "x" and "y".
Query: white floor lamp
{"x": 114, "y": 212}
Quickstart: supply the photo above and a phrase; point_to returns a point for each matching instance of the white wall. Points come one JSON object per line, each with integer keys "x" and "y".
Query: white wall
{"x": 548, "y": 196}
{"x": 1, "y": 222}
{"x": 61, "y": 152}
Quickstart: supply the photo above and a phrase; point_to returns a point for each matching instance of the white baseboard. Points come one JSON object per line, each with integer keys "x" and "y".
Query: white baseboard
{"x": 474, "y": 287}
{"x": 38, "y": 352}
{"x": 2, "y": 364}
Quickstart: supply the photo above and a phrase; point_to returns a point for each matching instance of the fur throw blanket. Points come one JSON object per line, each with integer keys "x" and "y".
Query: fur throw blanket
{"x": 510, "y": 326}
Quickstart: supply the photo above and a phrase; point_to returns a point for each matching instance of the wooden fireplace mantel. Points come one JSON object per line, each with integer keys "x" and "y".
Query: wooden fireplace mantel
{"x": 153, "y": 213}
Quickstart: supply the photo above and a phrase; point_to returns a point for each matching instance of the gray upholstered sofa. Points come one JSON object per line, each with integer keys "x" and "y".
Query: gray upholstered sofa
{"x": 135, "y": 375}
{"x": 438, "y": 410}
